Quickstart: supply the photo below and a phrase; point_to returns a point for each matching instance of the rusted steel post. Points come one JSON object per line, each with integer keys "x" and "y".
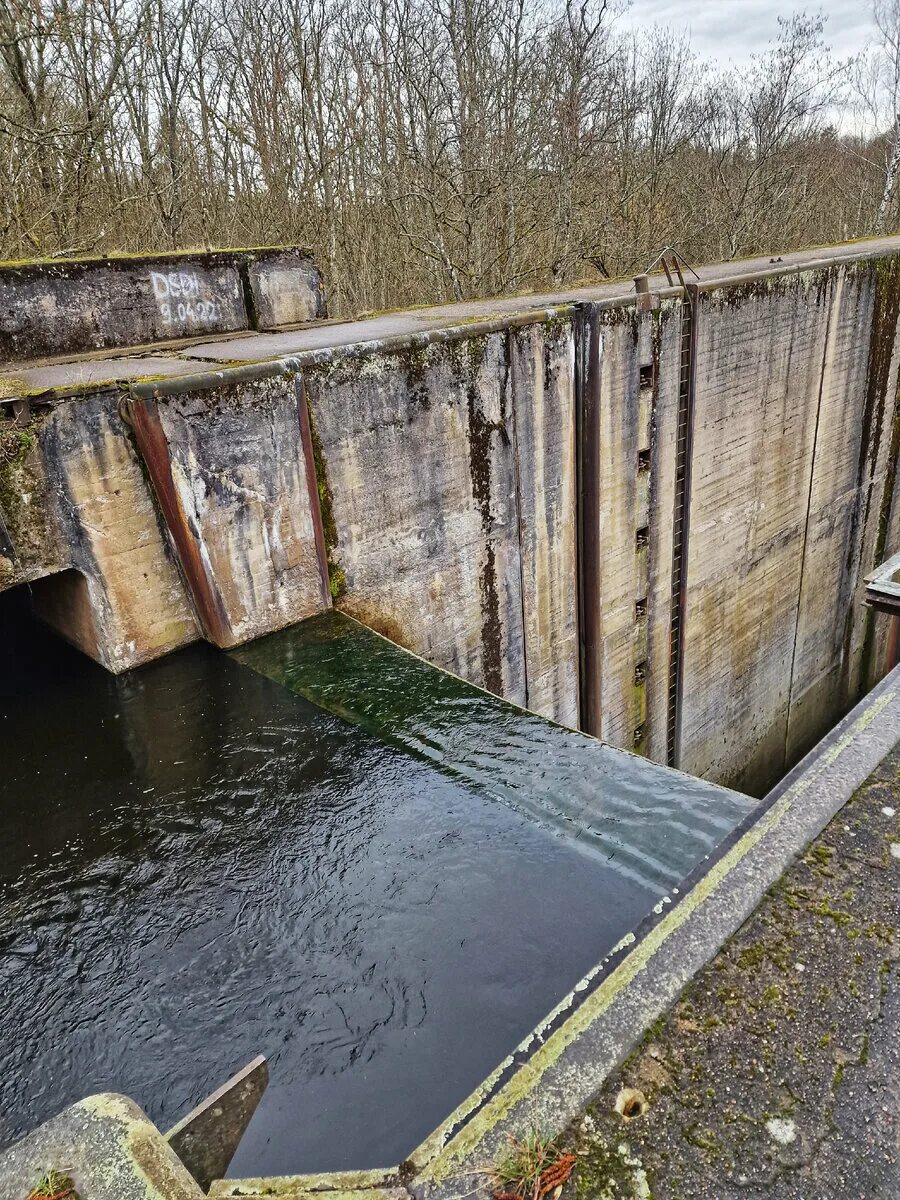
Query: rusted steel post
{"x": 153, "y": 447}
{"x": 589, "y": 531}
{"x": 893, "y": 643}
{"x": 684, "y": 450}
{"x": 312, "y": 487}
{"x": 644, "y": 298}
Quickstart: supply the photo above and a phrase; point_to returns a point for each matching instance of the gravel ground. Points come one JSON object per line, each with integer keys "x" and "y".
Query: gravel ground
{"x": 776, "y": 1076}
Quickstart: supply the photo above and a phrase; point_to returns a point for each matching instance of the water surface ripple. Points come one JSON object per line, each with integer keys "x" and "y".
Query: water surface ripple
{"x": 200, "y": 865}
{"x": 650, "y": 824}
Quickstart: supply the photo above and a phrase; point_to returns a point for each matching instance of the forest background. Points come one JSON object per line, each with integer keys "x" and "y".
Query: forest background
{"x": 432, "y": 150}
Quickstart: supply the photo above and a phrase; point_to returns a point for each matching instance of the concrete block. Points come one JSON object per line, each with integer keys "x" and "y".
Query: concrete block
{"x": 109, "y": 1149}
{"x": 287, "y": 288}
{"x": 56, "y": 308}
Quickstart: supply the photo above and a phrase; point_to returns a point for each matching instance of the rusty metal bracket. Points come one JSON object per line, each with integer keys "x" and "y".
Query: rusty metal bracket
{"x": 672, "y": 260}
{"x": 883, "y": 595}
{"x": 883, "y": 587}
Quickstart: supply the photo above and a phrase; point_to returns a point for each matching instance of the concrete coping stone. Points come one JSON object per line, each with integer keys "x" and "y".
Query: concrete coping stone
{"x": 107, "y": 1146}
{"x": 290, "y": 1185}
{"x": 67, "y": 306}
{"x": 239, "y": 357}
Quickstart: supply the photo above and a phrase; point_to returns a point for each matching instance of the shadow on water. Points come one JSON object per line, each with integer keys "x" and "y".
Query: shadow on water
{"x": 200, "y": 865}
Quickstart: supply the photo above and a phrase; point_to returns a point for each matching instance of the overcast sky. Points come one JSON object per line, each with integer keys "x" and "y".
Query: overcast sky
{"x": 732, "y": 30}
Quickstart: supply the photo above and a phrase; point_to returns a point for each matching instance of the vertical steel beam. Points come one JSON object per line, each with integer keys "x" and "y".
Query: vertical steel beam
{"x": 588, "y": 409}
{"x": 143, "y": 417}
{"x": 312, "y": 487}
{"x": 684, "y": 441}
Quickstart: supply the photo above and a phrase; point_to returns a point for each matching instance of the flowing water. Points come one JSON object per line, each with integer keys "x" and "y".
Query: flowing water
{"x": 319, "y": 849}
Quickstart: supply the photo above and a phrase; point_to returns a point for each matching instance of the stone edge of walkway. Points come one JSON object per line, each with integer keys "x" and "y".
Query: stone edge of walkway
{"x": 109, "y": 1148}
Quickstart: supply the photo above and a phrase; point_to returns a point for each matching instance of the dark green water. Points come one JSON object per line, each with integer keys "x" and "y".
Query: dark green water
{"x": 649, "y": 824}
{"x": 200, "y": 864}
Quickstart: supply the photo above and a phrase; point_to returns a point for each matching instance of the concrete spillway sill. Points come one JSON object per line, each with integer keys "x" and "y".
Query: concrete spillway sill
{"x": 558, "y": 1068}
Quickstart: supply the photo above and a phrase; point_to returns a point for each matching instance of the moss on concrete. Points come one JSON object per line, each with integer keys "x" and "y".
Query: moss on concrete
{"x": 751, "y": 1077}
{"x": 21, "y": 488}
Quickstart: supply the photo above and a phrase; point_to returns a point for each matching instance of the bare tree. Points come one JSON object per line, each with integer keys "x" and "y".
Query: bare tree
{"x": 428, "y": 149}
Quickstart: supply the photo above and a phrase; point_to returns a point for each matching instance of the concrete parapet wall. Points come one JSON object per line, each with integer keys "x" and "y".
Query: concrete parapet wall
{"x": 503, "y": 499}
{"x": 71, "y": 306}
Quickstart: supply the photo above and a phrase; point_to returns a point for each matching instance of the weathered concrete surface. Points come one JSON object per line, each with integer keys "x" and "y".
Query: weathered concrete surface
{"x": 418, "y": 467}
{"x": 847, "y": 495}
{"x": 286, "y": 289}
{"x": 246, "y": 507}
{"x": 795, "y": 396}
{"x": 109, "y": 1149}
{"x": 355, "y": 1182}
{"x": 33, "y": 544}
{"x": 664, "y": 351}
{"x": 54, "y": 308}
{"x": 69, "y": 306}
{"x": 81, "y": 505}
{"x": 423, "y": 320}
{"x": 298, "y": 1192}
{"x": 776, "y": 1076}
{"x": 259, "y": 347}
{"x": 628, "y": 457}
{"x": 758, "y": 380}
{"x": 542, "y": 379}
{"x": 614, "y": 639}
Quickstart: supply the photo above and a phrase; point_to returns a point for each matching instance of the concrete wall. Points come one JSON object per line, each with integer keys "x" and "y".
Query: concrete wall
{"x": 449, "y": 476}
{"x": 795, "y": 403}
{"x": 628, "y": 435}
{"x": 501, "y": 499}
{"x": 232, "y": 471}
{"x": 74, "y": 305}
{"x": 84, "y": 517}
